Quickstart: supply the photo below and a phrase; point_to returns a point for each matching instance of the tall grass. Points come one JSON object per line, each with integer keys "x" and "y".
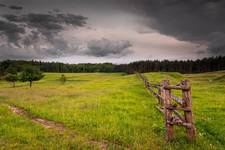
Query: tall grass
{"x": 110, "y": 107}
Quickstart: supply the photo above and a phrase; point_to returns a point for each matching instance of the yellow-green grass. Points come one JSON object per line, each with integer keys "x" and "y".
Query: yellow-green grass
{"x": 113, "y": 107}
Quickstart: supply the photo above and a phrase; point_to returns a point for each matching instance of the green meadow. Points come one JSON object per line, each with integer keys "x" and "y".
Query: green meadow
{"x": 111, "y": 108}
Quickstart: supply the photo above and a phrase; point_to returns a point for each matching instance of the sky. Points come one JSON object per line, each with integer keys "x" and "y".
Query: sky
{"x": 117, "y": 31}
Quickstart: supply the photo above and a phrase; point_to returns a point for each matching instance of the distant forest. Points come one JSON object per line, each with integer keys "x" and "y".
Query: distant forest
{"x": 187, "y": 66}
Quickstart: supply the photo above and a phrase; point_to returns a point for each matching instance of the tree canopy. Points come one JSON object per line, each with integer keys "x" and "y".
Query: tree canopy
{"x": 12, "y": 78}
{"x": 182, "y": 66}
{"x": 31, "y": 74}
{"x": 11, "y": 75}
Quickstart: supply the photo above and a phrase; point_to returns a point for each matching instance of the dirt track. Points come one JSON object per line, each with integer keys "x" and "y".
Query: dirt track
{"x": 60, "y": 127}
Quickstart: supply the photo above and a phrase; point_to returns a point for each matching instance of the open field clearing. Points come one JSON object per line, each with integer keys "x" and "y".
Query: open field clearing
{"x": 107, "y": 111}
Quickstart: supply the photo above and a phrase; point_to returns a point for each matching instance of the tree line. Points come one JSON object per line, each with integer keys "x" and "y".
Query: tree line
{"x": 182, "y": 66}
{"x": 57, "y": 67}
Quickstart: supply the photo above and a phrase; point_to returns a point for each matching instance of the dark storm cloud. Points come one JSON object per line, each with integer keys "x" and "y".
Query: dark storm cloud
{"x": 36, "y": 24}
{"x": 51, "y": 22}
{"x": 199, "y": 21}
{"x": 11, "y": 30}
{"x": 16, "y": 7}
{"x": 2, "y": 5}
{"x": 46, "y": 24}
{"x": 105, "y": 47}
{"x": 31, "y": 31}
{"x": 56, "y": 10}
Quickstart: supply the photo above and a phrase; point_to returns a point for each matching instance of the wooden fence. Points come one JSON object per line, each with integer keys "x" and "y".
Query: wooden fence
{"x": 171, "y": 105}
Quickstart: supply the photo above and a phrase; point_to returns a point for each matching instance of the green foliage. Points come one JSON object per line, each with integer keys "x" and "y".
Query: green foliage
{"x": 220, "y": 78}
{"x": 20, "y": 133}
{"x": 31, "y": 74}
{"x": 12, "y": 75}
{"x": 188, "y": 66}
{"x": 11, "y": 70}
{"x": 12, "y": 78}
{"x": 110, "y": 107}
{"x": 63, "y": 78}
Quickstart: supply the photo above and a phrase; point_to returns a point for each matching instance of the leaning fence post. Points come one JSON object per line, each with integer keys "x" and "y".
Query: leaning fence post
{"x": 186, "y": 93}
{"x": 168, "y": 112}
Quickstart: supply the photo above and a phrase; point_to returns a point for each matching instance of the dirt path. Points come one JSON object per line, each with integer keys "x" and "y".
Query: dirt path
{"x": 60, "y": 127}
{"x": 45, "y": 123}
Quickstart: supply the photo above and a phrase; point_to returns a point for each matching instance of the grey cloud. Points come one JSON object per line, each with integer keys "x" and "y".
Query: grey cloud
{"x": 16, "y": 7}
{"x": 59, "y": 48}
{"x": 201, "y": 52}
{"x": 45, "y": 24}
{"x": 56, "y": 10}
{"x": 11, "y": 6}
{"x": 2, "y": 5}
{"x": 33, "y": 31}
{"x": 217, "y": 43}
{"x": 51, "y": 22}
{"x": 105, "y": 47}
{"x": 11, "y": 30}
{"x": 12, "y": 53}
{"x": 187, "y": 20}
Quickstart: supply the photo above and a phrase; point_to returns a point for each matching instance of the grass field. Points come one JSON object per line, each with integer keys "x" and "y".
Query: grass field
{"x": 115, "y": 108}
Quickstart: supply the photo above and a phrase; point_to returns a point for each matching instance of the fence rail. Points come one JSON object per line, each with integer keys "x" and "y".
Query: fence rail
{"x": 171, "y": 105}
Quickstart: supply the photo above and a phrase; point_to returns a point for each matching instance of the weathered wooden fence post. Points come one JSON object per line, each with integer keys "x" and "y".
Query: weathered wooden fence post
{"x": 160, "y": 100}
{"x": 168, "y": 112}
{"x": 171, "y": 112}
{"x": 187, "y": 103}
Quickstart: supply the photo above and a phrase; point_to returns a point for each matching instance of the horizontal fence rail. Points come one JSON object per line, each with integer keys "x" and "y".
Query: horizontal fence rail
{"x": 171, "y": 105}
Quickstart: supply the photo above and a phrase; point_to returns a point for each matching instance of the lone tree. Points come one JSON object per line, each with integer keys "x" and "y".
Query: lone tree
{"x": 31, "y": 74}
{"x": 11, "y": 75}
{"x": 63, "y": 78}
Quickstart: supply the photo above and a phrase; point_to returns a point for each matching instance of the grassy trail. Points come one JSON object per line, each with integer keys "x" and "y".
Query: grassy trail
{"x": 59, "y": 127}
